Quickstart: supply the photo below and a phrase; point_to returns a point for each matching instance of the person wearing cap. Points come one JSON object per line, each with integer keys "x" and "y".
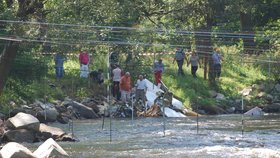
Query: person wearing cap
{"x": 179, "y": 57}
{"x": 158, "y": 70}
{"x": 125, "y": 87}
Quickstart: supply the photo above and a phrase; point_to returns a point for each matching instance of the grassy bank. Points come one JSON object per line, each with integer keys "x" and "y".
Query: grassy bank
{"x": 236, "y": 75}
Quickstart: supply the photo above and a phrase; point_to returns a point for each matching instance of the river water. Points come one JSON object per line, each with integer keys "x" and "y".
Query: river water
{"x": 211, "y": 137}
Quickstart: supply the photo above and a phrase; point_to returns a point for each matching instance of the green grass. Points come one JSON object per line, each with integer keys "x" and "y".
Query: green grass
{"x": 235, "y": 77}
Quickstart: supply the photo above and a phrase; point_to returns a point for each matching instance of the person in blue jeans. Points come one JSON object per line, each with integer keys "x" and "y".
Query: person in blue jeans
{"x": 59, "y": 69}
{"x": 216, "y": 57}
{"x": 180, "y": 57}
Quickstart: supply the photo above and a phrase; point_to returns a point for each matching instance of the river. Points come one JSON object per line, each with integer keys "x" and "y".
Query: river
{"x": 212, "y": 137}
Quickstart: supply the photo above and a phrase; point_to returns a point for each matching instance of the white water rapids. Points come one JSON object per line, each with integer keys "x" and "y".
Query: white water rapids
{"x": 217, "y": 136}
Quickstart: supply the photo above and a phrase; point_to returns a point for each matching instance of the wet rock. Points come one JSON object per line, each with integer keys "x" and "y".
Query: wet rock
{"x": 47, "y": 115}
{"x": 19, "y": 135}
{"x": 83, "y": 110}
{"x": 47, "y": 132}
{"x": 15, "y": 150}
{"x": 62, "y": 119}
{"x": 50, "y": 149}
{"x": 23, "y": 121}
{"x": 67, "y": 137}
{"x": 15, "y": 111}
{"x": 213, "y": 110}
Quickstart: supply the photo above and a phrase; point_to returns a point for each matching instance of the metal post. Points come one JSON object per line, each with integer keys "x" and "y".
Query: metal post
{"x": 153, "y": 68}
{"x": 71, "y": 122}
{"x": 108, "y": 86}
{"x": 108, "y": 91}
{"x": 242, "y": 118}
{"x": 164, "y": 121}
{"x": 132, "y": 110}
{"x": 197, "y": 127}
{"x": 269, "y": 66}
{"x": 45, "y": 99}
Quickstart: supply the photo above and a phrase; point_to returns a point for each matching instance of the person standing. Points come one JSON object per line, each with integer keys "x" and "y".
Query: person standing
{"x": 59, "y": 69}
{"x": 125, "y": 87}
{"x": 216, "y": 57}
{"x": 179, "y": 57}
{"x": 141, "y": 89}
{"x": 194, "y": 61}
{"x": 116, "y": 81}
{"x": 84, "y": 62}
{"x": 158, "y": 70}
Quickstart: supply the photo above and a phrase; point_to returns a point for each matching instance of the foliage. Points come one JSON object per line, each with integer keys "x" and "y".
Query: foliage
{"x": 131, "y": 28}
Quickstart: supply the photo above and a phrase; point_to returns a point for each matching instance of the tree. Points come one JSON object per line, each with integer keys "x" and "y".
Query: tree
{"x": 25, "y": 9}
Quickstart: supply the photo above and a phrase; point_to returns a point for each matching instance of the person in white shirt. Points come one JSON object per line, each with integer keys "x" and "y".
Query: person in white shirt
{"x": 116, "y": 82}
{"x": 141, "y": 88}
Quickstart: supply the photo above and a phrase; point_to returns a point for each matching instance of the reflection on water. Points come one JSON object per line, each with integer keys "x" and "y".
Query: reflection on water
{"x": 216, "y": 136}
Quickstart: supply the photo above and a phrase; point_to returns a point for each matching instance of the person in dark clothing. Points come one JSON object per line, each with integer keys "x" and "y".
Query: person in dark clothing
{"x": 97, "y": 76}
{"x": 59, "y": 69}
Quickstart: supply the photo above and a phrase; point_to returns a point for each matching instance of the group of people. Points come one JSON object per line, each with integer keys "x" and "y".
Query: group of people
{"x": 122, "y": 86}
{"x": 122, "y": 83}
{"x": 193, "y": 60}
{"x": 180, "y": 56}
{"x": 84, "y": 60}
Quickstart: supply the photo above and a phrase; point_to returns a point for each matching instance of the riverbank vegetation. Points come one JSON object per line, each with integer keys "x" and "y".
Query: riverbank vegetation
{"x": 246, "y": 32}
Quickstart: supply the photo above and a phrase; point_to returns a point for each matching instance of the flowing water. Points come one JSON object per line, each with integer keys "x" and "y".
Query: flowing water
{"x": 213, "y": 136}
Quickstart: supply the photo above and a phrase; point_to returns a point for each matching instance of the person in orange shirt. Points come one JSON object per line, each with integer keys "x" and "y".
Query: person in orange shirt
{"x": 125, "y": 87}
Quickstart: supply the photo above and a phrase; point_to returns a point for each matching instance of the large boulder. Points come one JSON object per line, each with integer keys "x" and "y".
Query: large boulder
{"x": 15, "y": 150}
{"x": 47, "y": 132}
{"x": 82, "y": 110}
{"x": 19, "y": 135}
{"x": 23, "y": 121}
{"x": 50, "y": 149}
{"x": 256, "y": 111}
{"x": 275, "y": 107}
{"x": 47, "y": 115}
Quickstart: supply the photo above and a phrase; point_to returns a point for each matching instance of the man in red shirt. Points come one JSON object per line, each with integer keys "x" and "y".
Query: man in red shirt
{"x": 125, "y": 87}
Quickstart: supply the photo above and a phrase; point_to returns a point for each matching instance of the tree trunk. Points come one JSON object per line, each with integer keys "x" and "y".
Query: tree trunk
{"x": 203, "y": 47}
{"x": 247, "y": 33}
{"x": 6, "y": 59}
